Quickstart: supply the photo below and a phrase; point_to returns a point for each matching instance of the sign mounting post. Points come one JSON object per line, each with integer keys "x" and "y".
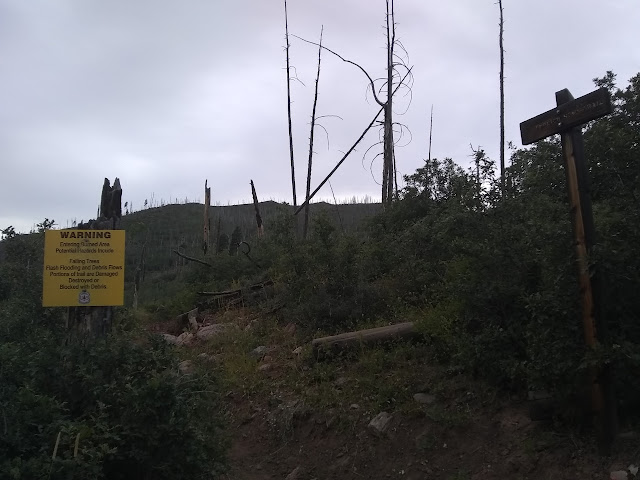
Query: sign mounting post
{"x": 567, "y": 120}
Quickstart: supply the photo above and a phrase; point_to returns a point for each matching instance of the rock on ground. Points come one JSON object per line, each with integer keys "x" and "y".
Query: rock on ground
{"x": 380, "y": 423}
{"x": 424, "y": 398}
{"x": 212, "y": 330}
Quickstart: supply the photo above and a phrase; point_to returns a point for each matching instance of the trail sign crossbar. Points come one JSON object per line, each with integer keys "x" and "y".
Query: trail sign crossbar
{"x": 566, "y": 116}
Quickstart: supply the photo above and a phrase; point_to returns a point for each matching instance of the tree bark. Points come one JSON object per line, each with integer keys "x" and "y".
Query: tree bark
{"x": 206, "y": 221}
{"x": 350, "y": 339}
{"x": 388, "y": 170}
{"x": 501, "y": 100}
{"x": 313, "y": 124}
{"x": 257, "y": 209}
{"x": 293, "y": 170}
{"x": 89, "y": 323}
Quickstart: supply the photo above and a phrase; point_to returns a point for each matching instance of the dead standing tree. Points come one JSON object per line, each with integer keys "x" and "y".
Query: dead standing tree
{"x": 85, "y": 323}
{"x": 313, "y": 124}
{"x": 293, "y": 171}
{"x": 501, "y": 99}
{"x": 206, "y": 220}
{"x": 257, "y": 209}
{"x": 351, "y": 149}
{"x": 398, "y": 75}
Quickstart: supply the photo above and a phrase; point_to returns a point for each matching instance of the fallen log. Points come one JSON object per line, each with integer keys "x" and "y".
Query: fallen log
{"x": 256, "y": 286}
{"x": 225, "y": 293}
{"x": 192, "y": 259}
{"x": 345, "y": 340}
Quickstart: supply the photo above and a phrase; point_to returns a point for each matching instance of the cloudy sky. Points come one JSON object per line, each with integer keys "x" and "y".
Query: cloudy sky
{"x": 165, "y": 93}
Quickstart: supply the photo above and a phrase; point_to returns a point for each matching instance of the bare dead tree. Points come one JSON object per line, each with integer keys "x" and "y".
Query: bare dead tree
{"x": 388, "y": 160}
{"x": 192, "y": 259}
{"x": 206, "y": 220}
{"x": 430, "y": 132}
{"x": 313, "y": 124}
{"x": 352, "y": 148}
{"x": 257, "y": 209}
{"x": 395, "y": 65}
{"x": 501, "y": 99}
{"x": 293, "y": 170}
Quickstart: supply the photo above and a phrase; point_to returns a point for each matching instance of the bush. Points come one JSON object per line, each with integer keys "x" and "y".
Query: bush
{"x": 115, "y": 408}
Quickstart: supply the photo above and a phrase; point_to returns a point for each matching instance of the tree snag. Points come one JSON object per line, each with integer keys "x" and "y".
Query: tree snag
{"x": 257, "y": 209}
{"x": 293, "y": 171}
{"x": 501, "y": 100}
{"x": 207, "y": 221}
{"x": 313, "y": 124}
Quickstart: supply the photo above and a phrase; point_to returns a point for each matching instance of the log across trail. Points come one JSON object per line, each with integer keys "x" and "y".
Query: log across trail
{"x": 349, "y": 339}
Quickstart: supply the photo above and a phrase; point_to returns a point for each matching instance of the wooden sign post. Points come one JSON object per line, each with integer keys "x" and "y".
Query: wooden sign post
{"x": 567, "y": 120}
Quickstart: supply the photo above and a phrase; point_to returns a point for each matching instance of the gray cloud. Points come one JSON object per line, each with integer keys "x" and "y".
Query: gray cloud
{"x": 165, "y": 94}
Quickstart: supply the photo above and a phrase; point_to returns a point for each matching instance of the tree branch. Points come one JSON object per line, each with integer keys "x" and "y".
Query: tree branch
{"x": 346, "y": 61}
{"x": 191, "y": 259}
{"x": 353, "y": 147}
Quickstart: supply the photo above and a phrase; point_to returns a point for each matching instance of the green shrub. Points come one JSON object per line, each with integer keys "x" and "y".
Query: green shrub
{"x": 114, "y": 408}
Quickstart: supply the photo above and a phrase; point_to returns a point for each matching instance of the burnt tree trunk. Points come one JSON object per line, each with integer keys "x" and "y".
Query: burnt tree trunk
{"x": 388, "y": 170}
{"x": 293, "y": 170}
{"x": 206, "y": 220}
{"x": 88, "y": 323}
{"x": 501, "y": 100}
{"x": 305, "y": 229}
{"x": 257, "y": 209}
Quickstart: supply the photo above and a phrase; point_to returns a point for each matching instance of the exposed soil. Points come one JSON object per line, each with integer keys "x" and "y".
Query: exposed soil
{"x": 498, "y": 442}
{"x": 466, "y": 430}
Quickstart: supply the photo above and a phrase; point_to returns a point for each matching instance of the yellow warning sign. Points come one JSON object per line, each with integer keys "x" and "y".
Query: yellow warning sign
{"x": 83, "y": 268}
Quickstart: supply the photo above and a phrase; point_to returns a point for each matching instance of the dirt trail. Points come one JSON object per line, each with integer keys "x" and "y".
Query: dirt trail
{"x": 293, "y": 418}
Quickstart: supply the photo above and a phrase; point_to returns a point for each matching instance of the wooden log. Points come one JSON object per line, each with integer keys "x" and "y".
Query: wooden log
{"x": 256, "y": 286}
{"x": 345, "y": 340}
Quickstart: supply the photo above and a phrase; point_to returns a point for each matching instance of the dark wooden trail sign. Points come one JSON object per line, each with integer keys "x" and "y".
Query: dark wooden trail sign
{"x": 566, "y": 115}
{"x": 567, "y": 120}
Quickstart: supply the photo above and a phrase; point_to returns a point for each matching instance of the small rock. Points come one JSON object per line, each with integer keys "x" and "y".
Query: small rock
{"x": 250, "y": 325}
{"x": 185, "y": 339}
{"x": 380, "y": 423}
{"x": 354, "y": 406}
{"x": 215, "y": 329}
{"x": 618, "y": 475}
{"x": 259, "y": 352}
{"x": 290, "y": 329}
{"x": 424, "y": 398}
{"x": 171, "y": 339}
{"x": 193, "y": 320}
{"x": 633, "y": 470}
{"x": 205, "y": 357}
{"x": 264, "y": 367}
{"x": 185, "y": 367}
{"x": 294, "y": 475}
{"x": 340, "y": 381}
{"x": 341, "y": 464}
{"x": 298, "y": 351}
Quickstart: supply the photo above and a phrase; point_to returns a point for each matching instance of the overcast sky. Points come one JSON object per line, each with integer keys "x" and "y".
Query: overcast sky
{"x": 165, "y": 93}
